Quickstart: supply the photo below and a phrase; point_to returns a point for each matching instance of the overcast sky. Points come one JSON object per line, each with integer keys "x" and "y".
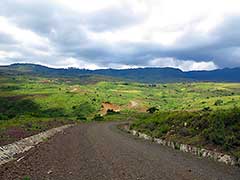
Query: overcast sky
{"x": 92, "y": 34}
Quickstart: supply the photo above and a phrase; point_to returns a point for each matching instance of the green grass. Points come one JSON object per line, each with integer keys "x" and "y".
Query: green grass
{"x": 57, "y": 97}
{"x": 34, "y": 99}
{"x": 217, "y": 128}
{"x": 26, "y": 178}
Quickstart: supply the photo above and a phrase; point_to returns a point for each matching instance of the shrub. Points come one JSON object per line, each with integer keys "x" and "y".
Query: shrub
{"x": 26, "y": 178}
{"x": 11, "y": 108}
{"x": 237, "y": 155}
{"x": 152, "y": 109}
{"x": 83, "y": 110}
{"x": 111, "y": 111}
{"x": 207, "y": 108}
{"x": 3, "y": 116}
{"x": 218, "y": 102}
{"x": 162, "y": 130}
{"x": 81, "y": 117}
{"x": 53, "y": 112}
{"x": 98, "y": 117}
{"x": 216, "y": 127}
{"x": 185, "y": 132}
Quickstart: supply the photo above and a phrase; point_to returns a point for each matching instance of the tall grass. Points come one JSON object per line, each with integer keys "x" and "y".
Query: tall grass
{"x": 218, "y": 127}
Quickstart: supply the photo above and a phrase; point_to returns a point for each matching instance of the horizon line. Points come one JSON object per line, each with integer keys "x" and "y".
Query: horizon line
{"x": 109, "y": 68}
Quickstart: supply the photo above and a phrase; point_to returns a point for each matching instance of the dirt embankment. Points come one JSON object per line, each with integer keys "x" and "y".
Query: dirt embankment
{"x": 132, "y": 105}
{"x": 109, "y": 106}
{"x": 136, "y": 105}
{"x": 12, "y": 134}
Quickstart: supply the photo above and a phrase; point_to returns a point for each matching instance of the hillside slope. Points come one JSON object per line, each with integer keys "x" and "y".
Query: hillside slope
{"x": 146, "y": 75}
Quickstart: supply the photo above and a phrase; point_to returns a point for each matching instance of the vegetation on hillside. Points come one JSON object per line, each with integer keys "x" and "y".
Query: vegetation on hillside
{"x": 195, "y": 113}
{"x": 146, "y": 75}
{"x": 218, "y": 128}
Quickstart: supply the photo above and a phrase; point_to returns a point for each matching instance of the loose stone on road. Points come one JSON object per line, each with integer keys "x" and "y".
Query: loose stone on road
{"x": 101, "y": 151}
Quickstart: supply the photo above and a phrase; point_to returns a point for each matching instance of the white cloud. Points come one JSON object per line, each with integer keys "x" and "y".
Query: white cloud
{"x": 86, "y": 6}
{"x": 85, "y": 64}
{"x": 121, "y": 33}
{"x": 24, "y": 36}
{"x": 124, "y": 66}
{"x": 184, "y": 65}
{"x": 168, "y": 20}
{"x": 187, "y": 65}
{"x": 73, "y": 62}
{"x": 9, "y": 54}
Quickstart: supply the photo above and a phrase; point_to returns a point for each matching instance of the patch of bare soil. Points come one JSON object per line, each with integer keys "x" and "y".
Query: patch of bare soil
{"x": 19, "y": 97}
{"x": 136, "y": 105}
{"x": 15, "y": 98}
{"x": 13, "y": 134}
{"x": 133, "y": 104}
{"x": 109, "y": 106}
{"x": 77, "y": 89}
{"x": 46, "y": 81}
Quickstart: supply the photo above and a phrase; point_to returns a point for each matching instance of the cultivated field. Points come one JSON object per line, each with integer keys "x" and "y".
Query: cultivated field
{"x": 187, "y": 110}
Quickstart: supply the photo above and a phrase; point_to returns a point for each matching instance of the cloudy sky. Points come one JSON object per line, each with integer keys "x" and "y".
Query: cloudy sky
{"x": 93, "y": 34}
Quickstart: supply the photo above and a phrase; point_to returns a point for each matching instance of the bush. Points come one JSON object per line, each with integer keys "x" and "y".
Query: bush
{"x": 162, "y": 130}
{"x": 152, "y": 110}
{"x": 218, "y": 102}
{"x": 207, "y": 108}
{"x": 11, "y": 107}
{"x": 3, "y": 117}
{"x": 53, "y": 112}
{"x": 185, "y": 132}
{"x": 26, "y": 178}
{"x": 224, "y": 128}
{"x": 83, "y": 109}
{"x": 111, "y": 111}
{"x": 98, "y": 117}
{"x": 216, "y": 127}
{"x": 81, "y": 117}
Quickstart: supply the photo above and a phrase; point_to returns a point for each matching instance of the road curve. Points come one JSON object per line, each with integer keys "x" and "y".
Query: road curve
{"x": 100, "y": 151}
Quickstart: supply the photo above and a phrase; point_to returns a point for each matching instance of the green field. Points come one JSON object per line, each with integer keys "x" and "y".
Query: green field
{"x": 32, "y": 104}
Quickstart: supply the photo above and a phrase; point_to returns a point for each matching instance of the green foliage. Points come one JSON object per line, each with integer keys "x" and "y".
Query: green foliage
{"x": 237, "y": 155}
{"x": 11, "y": 108}
{"x": 83, "y": 110}
{"x": 219, "y": 127}
{"x": 98, "y": 117}
{"x": 9, "y": 88}
{"x": 218, "y": 102}
{"x": 3, "y": 116}
{"x": 111, "y": 112}
{"x": 81, "y": 117}
{"x": 206, "y": 109}
{"x": 194, "y": 113}
{"x": 26, "y": 178}
{"x": 152, "y": 109}
{"x": 161, "y": 130}
{"x": 53, "y": 112}
{"x": 224, "y": 127}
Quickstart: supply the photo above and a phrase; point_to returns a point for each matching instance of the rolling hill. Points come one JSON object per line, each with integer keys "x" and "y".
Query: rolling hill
{"x": 146, "y": 75}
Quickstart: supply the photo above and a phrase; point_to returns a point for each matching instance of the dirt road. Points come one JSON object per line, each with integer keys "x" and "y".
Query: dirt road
{"x": 101, "y": 151}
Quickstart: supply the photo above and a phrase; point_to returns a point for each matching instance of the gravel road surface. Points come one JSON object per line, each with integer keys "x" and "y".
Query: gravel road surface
{"x": 101, "y": 151}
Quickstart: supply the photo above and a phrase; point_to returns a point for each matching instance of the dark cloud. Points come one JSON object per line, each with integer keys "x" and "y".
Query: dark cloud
{"x": 6, "y": 39}
{"x": 112, "y": 18}
{"x": 69, "y": 35}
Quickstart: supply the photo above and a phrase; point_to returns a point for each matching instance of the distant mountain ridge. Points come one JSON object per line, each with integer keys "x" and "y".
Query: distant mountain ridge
{"x": 146, "y": 75}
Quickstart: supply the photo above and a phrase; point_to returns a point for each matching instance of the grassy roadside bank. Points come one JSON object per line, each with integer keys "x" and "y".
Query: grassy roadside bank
{"x": 29, "y": 105}
{"x": 211, "y": 129}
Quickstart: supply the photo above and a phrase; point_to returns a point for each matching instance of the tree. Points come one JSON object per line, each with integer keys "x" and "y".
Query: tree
{"x": 98, "y": 117}
{"x": 152, "y": 110}
{"x": 218, "y": 102}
